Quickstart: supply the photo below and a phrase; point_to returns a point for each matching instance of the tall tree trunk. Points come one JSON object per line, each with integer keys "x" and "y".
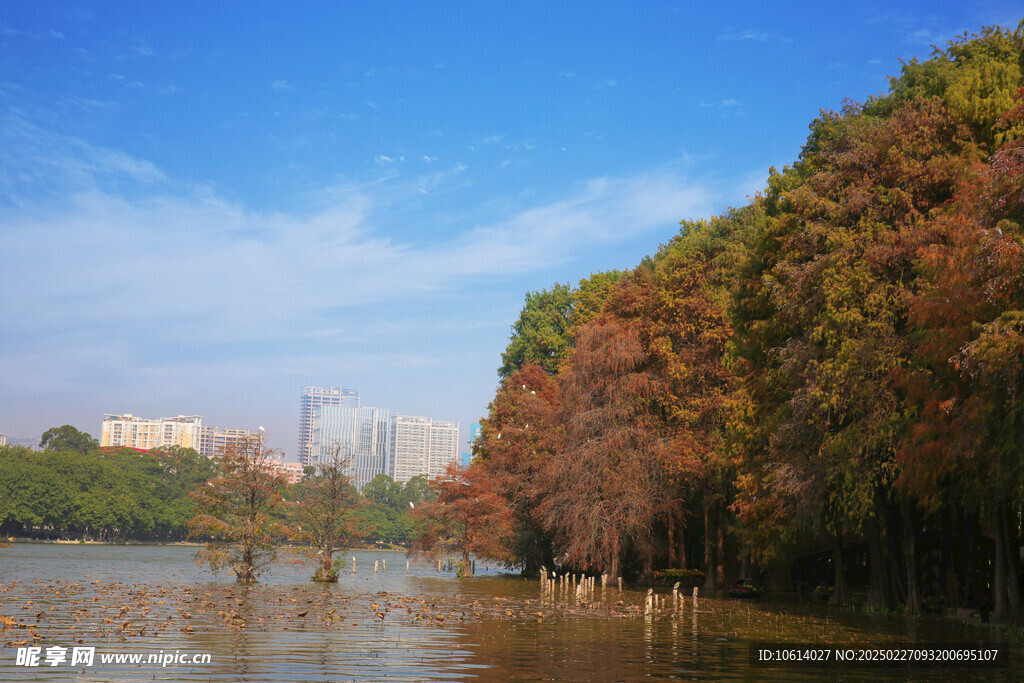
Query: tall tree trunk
{"x": 673, "y": 560}
{"x": 720, "y": 567}
{"x": 709, "y": 560}
{"x": 950, "y": 588}
{"x": 682, "y": 547}
{"x": 999, "y": 610}
{"x": 878, "y": 593}
{"x": 839, "y": 593}
{"x": 1013, "y": 597}
{"x": 1007, "y": 583}
{"x": 967, "y": 552}
{"x": 893, "y": 555}
{"x": 613, "y": 561}
{"x": 914, "y": 601}
{"x": 647, "y": 558}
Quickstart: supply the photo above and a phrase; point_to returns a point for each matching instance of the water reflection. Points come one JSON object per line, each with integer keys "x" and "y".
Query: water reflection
{"x": 138, "y": 599}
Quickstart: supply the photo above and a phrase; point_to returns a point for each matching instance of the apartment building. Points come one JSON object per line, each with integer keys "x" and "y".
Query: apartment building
{"x": 187, "y": 431}
{"x": 421, "y": 445}
{"x": 147, "y": 433}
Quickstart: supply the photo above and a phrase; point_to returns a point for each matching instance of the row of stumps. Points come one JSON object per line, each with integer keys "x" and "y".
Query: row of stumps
{"x": 379, "y": 566}
{"x": 582, "y": 584}
{"x": 584, "y": 587}
{"x": 448, "y": 565}
{"x": 655, "y": 603}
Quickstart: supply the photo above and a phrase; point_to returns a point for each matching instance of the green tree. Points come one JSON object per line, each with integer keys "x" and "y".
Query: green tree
{"x": 416, "y": 490}
{"x": 589, "y": 296}
{"x": 67, "y": 438}
{"x": 541, "y": 334}
{"x": 383, "y": 490}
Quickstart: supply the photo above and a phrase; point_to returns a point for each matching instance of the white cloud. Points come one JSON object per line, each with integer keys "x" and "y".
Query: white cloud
{"x": 750, "y": 185}
{"x": 138, "y": 281}
{"x": 728, "y": 103}
{"x": 281, "y": 85}
{"x": 925, "y": 36}
{"x": 752, "y": 35}
{"x": 181, "y": 259}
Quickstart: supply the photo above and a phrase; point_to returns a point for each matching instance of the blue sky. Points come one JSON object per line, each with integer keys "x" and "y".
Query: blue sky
{"x": 206, "y": 206}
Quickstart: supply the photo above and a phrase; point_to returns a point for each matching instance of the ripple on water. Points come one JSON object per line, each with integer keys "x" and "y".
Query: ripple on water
{"x": 150, "y": 600}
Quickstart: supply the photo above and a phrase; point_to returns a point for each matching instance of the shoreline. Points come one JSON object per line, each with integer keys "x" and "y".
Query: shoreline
{"x": 13, "y": 540}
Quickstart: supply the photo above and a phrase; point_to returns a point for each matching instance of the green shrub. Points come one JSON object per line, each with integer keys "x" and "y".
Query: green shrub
{"x": 687, "y": 578}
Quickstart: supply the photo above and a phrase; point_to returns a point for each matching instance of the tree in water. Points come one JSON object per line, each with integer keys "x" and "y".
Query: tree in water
{"x": 239, "y": 511}
{"x": 469, "y": 518}
{"x": 323, "y": 511}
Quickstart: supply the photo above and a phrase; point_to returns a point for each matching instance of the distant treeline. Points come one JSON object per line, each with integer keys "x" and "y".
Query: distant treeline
{"x": 76, "y": 490}
{"x": 826, "y": 385}
{"x": 103, "y": 494}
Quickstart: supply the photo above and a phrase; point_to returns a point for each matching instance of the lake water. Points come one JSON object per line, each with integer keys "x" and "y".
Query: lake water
{"x": 397, "y": 626}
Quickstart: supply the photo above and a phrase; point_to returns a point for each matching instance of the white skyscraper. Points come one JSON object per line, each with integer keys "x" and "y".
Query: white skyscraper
{"x": 313, "y": 397}
{"x": 360, "y": 433}
{"x": 420, "y": 445}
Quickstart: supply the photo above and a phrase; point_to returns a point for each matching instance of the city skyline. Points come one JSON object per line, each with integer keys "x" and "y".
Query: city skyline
{"x": 136, "y": 431}
{"x": 207, "y": 207}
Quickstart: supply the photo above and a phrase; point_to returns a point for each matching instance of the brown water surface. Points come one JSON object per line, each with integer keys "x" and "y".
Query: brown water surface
{"x": 154, "y": 601}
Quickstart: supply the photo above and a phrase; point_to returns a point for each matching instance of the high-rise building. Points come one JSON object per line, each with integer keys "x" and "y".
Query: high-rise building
{"x": 147, "y": 433}
{"x": 444, "y": 446}
{"x": 313, "y": 397}
{"x": 420, "y": 445}
{"x": 360, "y": 434}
